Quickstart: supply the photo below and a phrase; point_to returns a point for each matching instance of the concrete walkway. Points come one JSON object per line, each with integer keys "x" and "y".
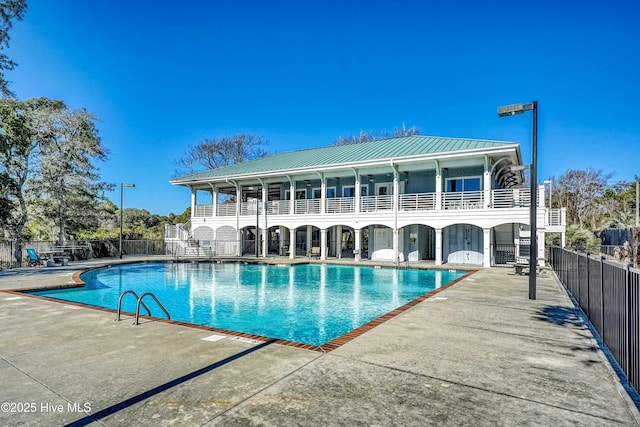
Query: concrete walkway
{"x": 478, "y": 353}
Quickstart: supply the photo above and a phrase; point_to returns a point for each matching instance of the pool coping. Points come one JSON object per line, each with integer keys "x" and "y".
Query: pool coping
{"x": 324, "y": 348}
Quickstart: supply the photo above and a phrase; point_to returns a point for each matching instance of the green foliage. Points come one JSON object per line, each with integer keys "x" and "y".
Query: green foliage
{"x": 582, "y": 239}
{"x": 9, "y": 10}
{"x": 183, "y": 217}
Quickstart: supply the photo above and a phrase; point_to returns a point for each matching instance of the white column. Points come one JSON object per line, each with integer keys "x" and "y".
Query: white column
{"x": 339, "y": 241}
{"x": 238, "y": 204}
{"x": 264, "y": 228}
{"x": 396, "y": 252}
{"x": 438, "y": 246}
{"x": 323, "y": 195}
{"x": 309, "y": 233}
{"x": 323, "y": 243}
{"x": 356, "y": 244}
{"x": 292, "y": 197}
{"x": 487, "y": 190}
{"x": 540, "y": 255}
{"x": 194, "y": 201}
{"x": 438, "y": 192}
{"x": 214, "y": 200}
{"x": 541, "y": 198}
{"x": 292, "y": 243}
{"x": 358, "y": 194}
{"x": 486, "y": 247}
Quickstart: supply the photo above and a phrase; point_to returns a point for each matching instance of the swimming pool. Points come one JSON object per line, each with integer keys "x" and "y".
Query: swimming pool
{"x": 305, "y": 303}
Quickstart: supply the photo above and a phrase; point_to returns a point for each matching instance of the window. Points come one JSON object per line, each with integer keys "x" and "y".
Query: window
{"x": 301, "y": 194}
{"x": 349, "y": 191}
{"x": 331, "y": 192}
{"x": 464, "y": 184}
{"x": 384, "y": 188}
{"x": 317, "y": 193}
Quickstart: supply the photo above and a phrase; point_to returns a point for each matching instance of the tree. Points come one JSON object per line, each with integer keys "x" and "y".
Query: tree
{"x": 66, "y": 183}
{"x": 9, "y": 10}
{"x": 580, "y": 191}
{"x": 19, "y": 140}
{"x": 370, "y": 136}
{"x": 219, "y": 152}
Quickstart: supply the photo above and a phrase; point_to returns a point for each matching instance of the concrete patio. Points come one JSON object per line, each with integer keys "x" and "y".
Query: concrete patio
{"x": 478, "y": 353}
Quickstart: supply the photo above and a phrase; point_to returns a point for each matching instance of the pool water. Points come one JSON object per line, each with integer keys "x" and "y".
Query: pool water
{"x": 306, "y": 303}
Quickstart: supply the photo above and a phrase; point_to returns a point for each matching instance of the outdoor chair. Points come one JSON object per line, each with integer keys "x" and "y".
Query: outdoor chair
{"x": 34, "y": 259}
{"x": 315, "y": 252}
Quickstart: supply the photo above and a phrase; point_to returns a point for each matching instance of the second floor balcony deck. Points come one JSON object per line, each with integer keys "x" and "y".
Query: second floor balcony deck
{"x": 471, "y": 200}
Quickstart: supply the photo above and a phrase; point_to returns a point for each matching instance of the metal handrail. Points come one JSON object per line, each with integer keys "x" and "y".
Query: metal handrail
{"x": 157, "y": 302}
{"x": 129, "y": 291}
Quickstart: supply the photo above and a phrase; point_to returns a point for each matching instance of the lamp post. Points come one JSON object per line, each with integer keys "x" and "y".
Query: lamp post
{"x": 122, "y": 185}
{"x": 512, "y": 110}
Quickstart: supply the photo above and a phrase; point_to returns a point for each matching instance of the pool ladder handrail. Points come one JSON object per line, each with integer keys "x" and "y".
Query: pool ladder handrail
{"x": 129, "y": 291}
{"x": 138, "y": 304}
{"x": 150, "y": 294}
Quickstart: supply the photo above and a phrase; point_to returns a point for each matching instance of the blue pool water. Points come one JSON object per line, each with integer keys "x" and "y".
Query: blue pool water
{"x": 305, "y": 303}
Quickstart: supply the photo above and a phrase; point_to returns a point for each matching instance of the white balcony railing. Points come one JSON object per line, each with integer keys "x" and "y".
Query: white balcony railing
{"x": 462, "y": 200}
{"x": 341, "y": 205}
{"x": 510, "y": 198}
{"x": 279, "y": 207}
{"x": 203, "y": 211}
{"x": 418, "y": 202}
{"x": 376, "y": 203}
{"x": 307, "y": 206}
{"x": 249, "y": 208}
{"x": 499, "y": 199}
{"x": 556, "y": 217}
{"x": 227, "y": 209}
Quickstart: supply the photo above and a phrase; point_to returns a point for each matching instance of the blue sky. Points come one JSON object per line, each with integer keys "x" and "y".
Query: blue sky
{"x": 163, "y": 75}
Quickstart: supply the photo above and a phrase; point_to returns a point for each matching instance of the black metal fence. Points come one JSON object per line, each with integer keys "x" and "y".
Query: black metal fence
{"x": 609, "y": 294}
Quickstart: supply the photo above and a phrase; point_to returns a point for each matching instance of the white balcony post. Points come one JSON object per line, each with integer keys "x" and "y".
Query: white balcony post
{"x": 292, "y": 197}
{"x": 486, "y": 190}
{"x": 358, "y": 194}
{"x": 323, "y": 194}
{"x": 214, "y": 200}
{"x": 264, "y": 213}
{"x": 238, "y": 205}
{"x": 540, "y": 196}
{"x": 194, "y": 201}
{"x": 356, "y": 244}
{"x": 292, "y": 243}
{"x": 438, "y": 192}
{"x": 438, "y": 246}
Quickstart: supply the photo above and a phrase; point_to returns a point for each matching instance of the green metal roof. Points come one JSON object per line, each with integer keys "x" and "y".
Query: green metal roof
{"x": 381, "y": 149}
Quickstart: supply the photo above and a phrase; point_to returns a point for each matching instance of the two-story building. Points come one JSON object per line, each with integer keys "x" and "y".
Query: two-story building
{"x": 450, "y": 200}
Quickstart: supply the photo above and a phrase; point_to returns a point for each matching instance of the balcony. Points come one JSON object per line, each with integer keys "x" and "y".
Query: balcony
{"x": 469, "y": 200}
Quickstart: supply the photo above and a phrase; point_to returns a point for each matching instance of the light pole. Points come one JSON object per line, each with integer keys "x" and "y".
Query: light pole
{"x": 122, "y": 185}
{"x": 512, "y": 110}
